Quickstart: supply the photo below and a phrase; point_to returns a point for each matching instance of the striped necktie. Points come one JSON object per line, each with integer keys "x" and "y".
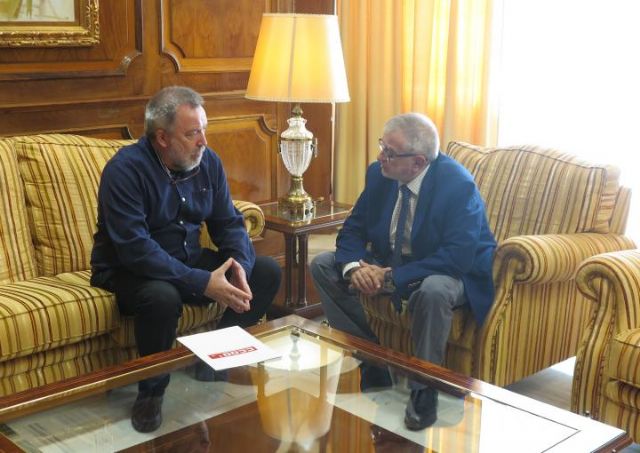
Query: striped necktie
{"x": 396, "y": 258}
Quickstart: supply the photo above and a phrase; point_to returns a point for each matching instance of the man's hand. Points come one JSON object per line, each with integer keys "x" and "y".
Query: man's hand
{"x": 239, "y": 278}
{"x": 235, "y": 294}
{"x": 368, "y": 278}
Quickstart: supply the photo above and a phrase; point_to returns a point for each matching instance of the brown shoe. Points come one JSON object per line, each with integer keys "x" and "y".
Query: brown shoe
{"x": 146, "y": 415}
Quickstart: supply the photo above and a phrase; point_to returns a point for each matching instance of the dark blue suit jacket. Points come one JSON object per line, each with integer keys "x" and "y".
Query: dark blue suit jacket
{"x": 449, "y": 236}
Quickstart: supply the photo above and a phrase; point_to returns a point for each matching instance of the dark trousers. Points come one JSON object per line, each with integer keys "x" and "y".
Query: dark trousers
{"x": 156, "y": 306}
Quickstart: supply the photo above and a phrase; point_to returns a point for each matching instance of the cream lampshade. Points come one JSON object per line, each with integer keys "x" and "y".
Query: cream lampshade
{"x": 298, "y": 59}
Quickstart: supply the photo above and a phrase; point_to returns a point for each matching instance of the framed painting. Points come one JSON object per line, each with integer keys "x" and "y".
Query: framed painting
{"x": 49, "y": 23}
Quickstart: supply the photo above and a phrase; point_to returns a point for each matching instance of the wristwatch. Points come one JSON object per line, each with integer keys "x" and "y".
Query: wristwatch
{"x": 388, "y": 285}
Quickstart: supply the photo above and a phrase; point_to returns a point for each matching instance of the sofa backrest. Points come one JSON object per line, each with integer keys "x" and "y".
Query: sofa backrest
{"x": 16, "y": 253}
{"x": 531, "y": 190}
{"x": 61, "y": 175}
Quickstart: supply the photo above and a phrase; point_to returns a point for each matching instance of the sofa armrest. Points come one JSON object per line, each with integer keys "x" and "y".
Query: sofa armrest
{"x": 624, "y": 356}
{"x": 531, "y": 274}
{"x": 253, "y": 217}
{"x": 612, "y": 281}
{"x": 620, "y": 269}
{"x": 551, "y": 257}
{"x": 253, "y": 221}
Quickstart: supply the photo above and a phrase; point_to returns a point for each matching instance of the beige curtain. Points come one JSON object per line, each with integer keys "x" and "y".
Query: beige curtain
{"x": 430, "y": 56}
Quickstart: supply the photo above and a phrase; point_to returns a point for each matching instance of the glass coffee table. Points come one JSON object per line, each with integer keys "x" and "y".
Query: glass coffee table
{"x": 306, "y": 400}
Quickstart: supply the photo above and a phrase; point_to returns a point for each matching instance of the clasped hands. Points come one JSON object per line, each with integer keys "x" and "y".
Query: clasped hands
{"x": 368, "y": 278}
{"x": 233, "y": 292}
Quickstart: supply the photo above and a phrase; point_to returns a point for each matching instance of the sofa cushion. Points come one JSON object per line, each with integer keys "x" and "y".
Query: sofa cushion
{"x": 193, "y": 317}
{"x": 46, "y": 312}
{"x": 66, "y": 353}
{"x": 625, "y": 357}
{"x": 61, "y": 175}
{"x": 626, "y": 399}
{"x": 16, "y": 252}
{"x": 530, "y": 190}
{"x": 42, "y": 368}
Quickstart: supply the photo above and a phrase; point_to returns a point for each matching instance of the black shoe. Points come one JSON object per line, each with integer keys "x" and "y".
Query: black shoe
{"x": 146, "y": 415}
{"x": 422, "y": 409}
{"x": 374, "y": 378}
{"x": 205, "y": 373}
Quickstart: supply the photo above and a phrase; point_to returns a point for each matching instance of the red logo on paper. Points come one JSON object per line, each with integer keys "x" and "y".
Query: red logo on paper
{"x": 219, "y": 355}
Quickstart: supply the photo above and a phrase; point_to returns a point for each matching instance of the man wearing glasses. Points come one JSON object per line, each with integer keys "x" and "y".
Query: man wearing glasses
{"x": 153, "y": 197}
{"x": 418, "y": 232}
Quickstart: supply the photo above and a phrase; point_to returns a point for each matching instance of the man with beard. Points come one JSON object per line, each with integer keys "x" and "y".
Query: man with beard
{"x": 153, "y": 197}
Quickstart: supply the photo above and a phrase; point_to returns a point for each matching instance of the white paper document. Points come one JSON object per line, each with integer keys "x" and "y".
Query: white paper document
{"x": 228, "y": 348}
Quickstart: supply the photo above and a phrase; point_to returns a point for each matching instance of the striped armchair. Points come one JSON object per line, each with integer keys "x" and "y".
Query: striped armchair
{"x": 53, "y": 323}
{"x": 606, "y": 380}
{"x": 549, "y": 211}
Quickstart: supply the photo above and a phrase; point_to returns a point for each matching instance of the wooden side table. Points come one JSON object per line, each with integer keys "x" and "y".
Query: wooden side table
{"x": 327, "y": 214}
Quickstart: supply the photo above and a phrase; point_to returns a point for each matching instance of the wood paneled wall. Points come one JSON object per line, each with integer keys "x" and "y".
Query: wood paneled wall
{"x": 144, "y": 45}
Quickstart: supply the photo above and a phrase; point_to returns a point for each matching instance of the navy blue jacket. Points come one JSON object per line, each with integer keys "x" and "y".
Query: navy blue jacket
{"x": 149, "y": 223}
{"x": 449, "y": 236}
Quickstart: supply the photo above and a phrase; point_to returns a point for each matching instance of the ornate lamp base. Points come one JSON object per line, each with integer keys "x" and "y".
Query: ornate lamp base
{"x": 297, "y": 202}
{"x": 297, "y": 147}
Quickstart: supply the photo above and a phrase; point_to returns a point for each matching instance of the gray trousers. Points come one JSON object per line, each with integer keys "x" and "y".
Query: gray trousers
{"x": 430, "y": 308}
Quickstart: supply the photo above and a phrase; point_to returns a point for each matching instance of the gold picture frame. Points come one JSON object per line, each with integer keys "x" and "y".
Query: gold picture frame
{"x": 49, "y": 23}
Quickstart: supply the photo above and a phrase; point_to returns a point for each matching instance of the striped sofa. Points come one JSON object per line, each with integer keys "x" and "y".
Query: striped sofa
{"x": 53, "y": 324}
{"x": 606, "y": 381}
{"x": 549, "y": 212}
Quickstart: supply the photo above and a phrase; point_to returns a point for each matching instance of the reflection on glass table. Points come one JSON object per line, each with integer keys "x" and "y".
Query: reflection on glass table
{"x": 309, "y": 399}
{"x": 296, "y": 393}
{"x": 298, "y": 405}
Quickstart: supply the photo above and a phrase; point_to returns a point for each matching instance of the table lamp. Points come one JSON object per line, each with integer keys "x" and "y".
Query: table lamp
{"x": 298, "y": 58}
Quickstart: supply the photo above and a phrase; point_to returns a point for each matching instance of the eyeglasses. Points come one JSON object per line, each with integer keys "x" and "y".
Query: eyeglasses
{"x": 391, "y": 154}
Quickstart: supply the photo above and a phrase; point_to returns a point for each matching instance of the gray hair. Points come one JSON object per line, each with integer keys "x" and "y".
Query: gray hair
{"x": 419, "y": 132}
{"x": 161, "y": 109}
